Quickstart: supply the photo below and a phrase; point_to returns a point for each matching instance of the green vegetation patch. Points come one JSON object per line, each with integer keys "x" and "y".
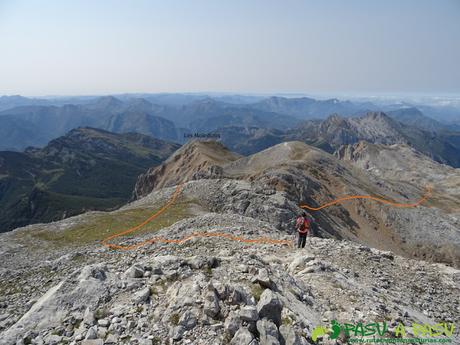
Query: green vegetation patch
{"x": 103, "y": 225}
{"x": 174, "y": 319}
{"x": 256, "y": 291}
{"x": 101, "y": 313}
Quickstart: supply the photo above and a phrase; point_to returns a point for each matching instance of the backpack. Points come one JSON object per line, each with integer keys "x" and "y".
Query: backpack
{"x": 303, "y": 225}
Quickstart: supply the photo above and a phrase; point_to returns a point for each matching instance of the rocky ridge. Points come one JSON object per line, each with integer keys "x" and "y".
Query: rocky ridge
{"x": 272, "y": 183}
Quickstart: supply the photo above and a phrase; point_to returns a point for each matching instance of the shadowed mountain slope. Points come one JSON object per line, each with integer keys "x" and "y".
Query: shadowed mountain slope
{"x": 86, "y": 169}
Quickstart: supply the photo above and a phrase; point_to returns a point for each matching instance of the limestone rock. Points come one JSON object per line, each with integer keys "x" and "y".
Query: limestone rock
{"x": 288, "y": 336}
{"x": 232, "y": 323}
{"x": 243, "y": 336}
{"x": 135, "y": 271}
{"x": 249, "y": 313}
{"x": 268, "y": 332}
{"x": 188, "y": 320}
{"x": 211, "y": 304}
{"x": 269, "y": 306}
{"x": 142, "y": 296}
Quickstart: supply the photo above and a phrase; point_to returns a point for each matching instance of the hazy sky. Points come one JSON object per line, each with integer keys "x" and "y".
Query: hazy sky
{"x": 100, "y": 47}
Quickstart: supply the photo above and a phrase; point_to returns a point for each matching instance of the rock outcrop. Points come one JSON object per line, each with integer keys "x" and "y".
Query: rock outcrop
{"x": 189, "y": 161}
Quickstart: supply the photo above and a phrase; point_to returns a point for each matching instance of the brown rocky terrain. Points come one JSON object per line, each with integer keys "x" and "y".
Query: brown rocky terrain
{"x": 367, "y": 262}
{"x": 304, "y": 174}
{"x": 196, "y": 157}
{"x": 403, "y": 163}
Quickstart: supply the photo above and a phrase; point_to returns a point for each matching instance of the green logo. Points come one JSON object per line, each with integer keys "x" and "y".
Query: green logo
{"x": 375, "y": 329}
{"x": 320, "y": 331}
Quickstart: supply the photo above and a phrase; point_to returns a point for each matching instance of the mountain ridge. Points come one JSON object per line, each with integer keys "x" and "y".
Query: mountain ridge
{"x": 86, "y": 169}
{"x": 305, "y": 174}
{"x": 336, "y": 130}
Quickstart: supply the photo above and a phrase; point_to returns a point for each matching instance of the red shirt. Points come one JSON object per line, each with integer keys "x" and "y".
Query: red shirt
{"x": 303, "y": 225}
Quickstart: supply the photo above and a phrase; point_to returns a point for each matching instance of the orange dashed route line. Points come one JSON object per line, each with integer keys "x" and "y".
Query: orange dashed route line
{"x": 260, "y": 240}
{"x": 424, "y": 198}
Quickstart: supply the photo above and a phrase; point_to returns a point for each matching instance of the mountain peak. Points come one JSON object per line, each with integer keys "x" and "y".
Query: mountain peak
{"x": 378, "y": 119}
{"x": 87, "y": 131}
{"x": 377, "y": 115}
{"x": 335, "y": 118}
{"x": 107, "y": 102}
{"x": 195, "y": 157}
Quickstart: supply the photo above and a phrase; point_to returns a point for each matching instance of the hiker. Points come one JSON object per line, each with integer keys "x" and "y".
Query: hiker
{"x": 302, "y": 225}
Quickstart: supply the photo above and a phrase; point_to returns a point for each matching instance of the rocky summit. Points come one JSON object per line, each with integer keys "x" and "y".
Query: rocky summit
{"x": 218, "y": 264}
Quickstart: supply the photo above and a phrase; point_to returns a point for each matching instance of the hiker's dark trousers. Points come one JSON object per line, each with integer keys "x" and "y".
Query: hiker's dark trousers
{"x": 302, "y": 240}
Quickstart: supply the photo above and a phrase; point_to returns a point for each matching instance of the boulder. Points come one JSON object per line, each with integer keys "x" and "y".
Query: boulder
{"x": 102, "y": 332}
{"x": 270, "y": 307}
{"x": 243, "y": 336}
{"x": 249, "y": 313}
{"x": 268, "y": 332}
{"x": 88, "y": 318}
{"x": 135, "y": 271}
{"x": 178, "y": 333}
{"x": 211, "y": 304}
{"x": 232, "y": 323}
{"x": 239, "y": 296}
{"x": 103, "y": 322}
{"x": 263, "y": 278}
{"x": 288, "y": 336}
{"x": 188, "y": 320}
{"x": 96, "y": 271}
{"x": 111, "y": 339}
{"x": 141, "y": 296}
{"x": 53, "y": 339}
{"x": 92, "y": 333}
{"x": 93, "y": 342}
{"x": 181, "y": 294}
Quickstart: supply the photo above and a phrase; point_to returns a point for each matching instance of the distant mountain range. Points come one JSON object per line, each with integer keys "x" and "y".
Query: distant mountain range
{"x": 415, "y": 118}
{"x": 87, "y": 169}
{"x": 307, "y": 108}
{"x": 246, "y": 124}
{"x": 35, "y": 125}
{"x": 375, "y": 127}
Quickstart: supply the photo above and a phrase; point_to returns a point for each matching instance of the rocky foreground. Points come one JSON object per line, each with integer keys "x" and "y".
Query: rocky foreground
{"x": 211, "y": 291}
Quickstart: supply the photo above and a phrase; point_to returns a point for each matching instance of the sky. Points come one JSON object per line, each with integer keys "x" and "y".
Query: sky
{"x": 85, "y": 47}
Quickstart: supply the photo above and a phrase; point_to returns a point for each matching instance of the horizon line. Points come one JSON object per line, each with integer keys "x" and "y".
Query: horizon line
{"x": 345, "y": 94}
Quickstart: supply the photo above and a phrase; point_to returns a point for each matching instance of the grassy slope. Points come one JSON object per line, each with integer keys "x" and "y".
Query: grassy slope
{"x": 90, "y": 170}
{"x": 102, "y": 225}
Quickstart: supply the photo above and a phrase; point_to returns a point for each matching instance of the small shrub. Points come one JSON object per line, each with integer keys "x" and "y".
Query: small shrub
{"x": 208, "y": 271}
{"x": 100, "y": 313}
{"x": 256, "y": 291}
{"x": 174, "y": 319}
{"x": 77, "y": 324}
{"x": 286, "y": 321}
{"x": 227, "y": 338}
